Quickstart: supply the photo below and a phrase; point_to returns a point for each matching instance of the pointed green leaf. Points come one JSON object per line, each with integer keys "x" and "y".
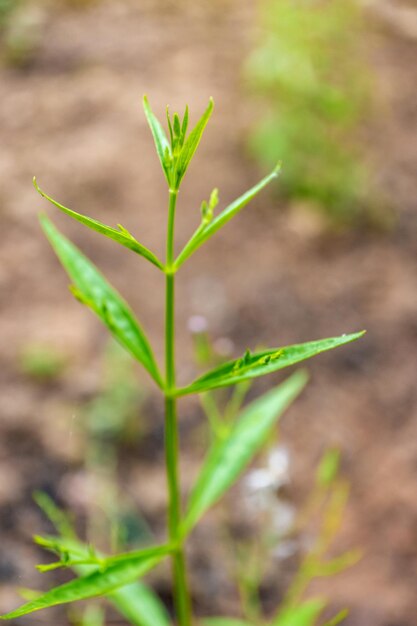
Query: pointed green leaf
{"x": 305, "y": 614}
{"x": 161, "y": 142}
{"x": 96, "y": 584}
{"x": 140, "y": 605}
{"x": 94, "y": 291}
{"x": 184, "y": 125}
{"x": 191, "y": 143}
{"x": 229, "y": 457}
{"x": 122, "y": 235}
{"x": 265, "y": 362}
{"x": 206, "y": 230}
{"x": 135, "y": 601}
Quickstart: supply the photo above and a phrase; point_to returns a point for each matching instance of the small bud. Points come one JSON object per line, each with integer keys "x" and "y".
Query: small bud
{"x": 214, "y": 199}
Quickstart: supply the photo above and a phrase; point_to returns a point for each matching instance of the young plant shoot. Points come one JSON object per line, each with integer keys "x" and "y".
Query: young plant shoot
{"x": 117, "y": 577}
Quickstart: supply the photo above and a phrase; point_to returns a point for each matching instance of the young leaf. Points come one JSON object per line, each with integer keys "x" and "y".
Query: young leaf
{"x": 94, "y": 291}
{"x": 229, "y": 456}
{"x": 184, "y": 125}
{"x": 304, "y": 614}
{"x": 162, "y": 146}
{"x": 208, "y": 229}
{"x": 261, "y": 363}
{"x": 95, "y": 584}
{"x": 191, "y": 143}
{"x": 122, "y": 235}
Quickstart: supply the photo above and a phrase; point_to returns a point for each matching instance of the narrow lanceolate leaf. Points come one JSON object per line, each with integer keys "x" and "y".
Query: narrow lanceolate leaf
{"x": 229, "y": 457}
{"x": 135, "y": 601}
{"x": 207, "y": 230}
{"x": 91, "y": 288}
{"x": 162, "y": 146}
{"x": 190, "y": 145}
{"x": 96, "y": 584}
{"x": 122, "y": 235}
{"x": 305, "y": 614}
{"x": 265, "y": 362}
{"x": 140, "y": 605}
{"x": 137, "y": 555}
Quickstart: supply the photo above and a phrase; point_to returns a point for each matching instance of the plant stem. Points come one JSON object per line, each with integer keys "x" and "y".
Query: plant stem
{"x": 181, "y": 594}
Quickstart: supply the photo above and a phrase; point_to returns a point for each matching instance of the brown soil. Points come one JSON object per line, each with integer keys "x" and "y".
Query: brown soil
{"x": 274, "y": 276}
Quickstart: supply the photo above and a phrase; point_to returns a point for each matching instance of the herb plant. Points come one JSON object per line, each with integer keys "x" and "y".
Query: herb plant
{"x": 116, "y": 576}
{"x": 313, "y": 83}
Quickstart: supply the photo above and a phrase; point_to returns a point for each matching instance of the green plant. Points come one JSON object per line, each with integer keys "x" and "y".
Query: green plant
{"x": 279, "y": 529}
{"x": 112, "y": 420}
{"x": 313, "y": 85}
{"x": 21, "y": 23}
{"x": 116, "y": 576}
{"x": 42, "y": 362}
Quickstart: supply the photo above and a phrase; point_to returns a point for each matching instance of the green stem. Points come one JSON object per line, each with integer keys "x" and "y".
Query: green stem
{"x": 181, "y": 594}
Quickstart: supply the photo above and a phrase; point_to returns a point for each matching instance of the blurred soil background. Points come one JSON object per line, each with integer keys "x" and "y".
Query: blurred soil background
{"x": 278, "y": 274}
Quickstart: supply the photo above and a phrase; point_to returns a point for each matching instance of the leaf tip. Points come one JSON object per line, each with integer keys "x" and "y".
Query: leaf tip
{"x": 301, "y": 377}
{"x": 145, "y": 103}
{"x": 355, "y": 336}
{"x": 277, "y": 169}
{"x": 44, "y": 220}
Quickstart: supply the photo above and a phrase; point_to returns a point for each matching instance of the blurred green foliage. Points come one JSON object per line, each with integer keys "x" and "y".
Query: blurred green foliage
{"x": 42, "y": 362}
{"x": 21, "y": 24}
{"x": 6, "y": 8}
{"x": 113, "y": 413}
{"x": 112, "y": 419}
{"x": 315, "y": 87}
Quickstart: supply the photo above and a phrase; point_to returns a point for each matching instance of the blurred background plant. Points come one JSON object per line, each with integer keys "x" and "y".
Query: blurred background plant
{"x": 22, "y": 26}
{"x": 278, "y": 543}
{"x": 42, "y": 362}
{"x": 275, "y": 539}
{"x": 314, "y": 86}
{"x": 21, "y": 29}
{"x": 112, "y": 420}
